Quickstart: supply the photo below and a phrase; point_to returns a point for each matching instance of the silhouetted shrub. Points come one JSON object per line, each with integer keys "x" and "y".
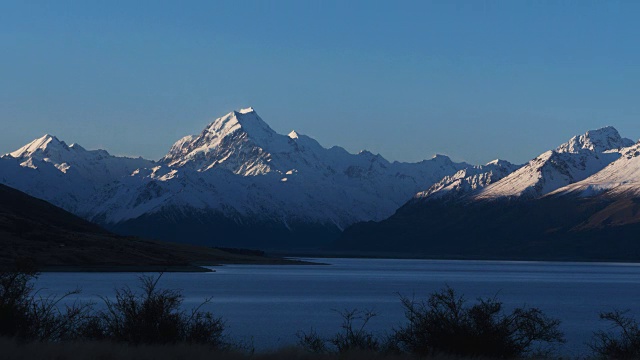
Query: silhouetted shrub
{"x": 154, "y": 316}
{"x": 15, "y": 293}
{"x": 312, "y": 342}
{"x": 27, "y": 315}
{"x": 48, "y": 321}
{"x": 353, "y": 337}
{"x": 445, "y": 324}
{"x": 625, "y": 344}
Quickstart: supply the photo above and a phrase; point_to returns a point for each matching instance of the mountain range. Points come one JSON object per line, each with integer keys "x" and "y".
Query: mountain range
{"x": 580, "y": 201}
{"x": 239, "y": 183}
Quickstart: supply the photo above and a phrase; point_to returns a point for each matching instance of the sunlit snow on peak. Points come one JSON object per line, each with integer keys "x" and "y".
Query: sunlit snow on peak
{"x": 600, "y": 140}
{"x": 39, "y": 144}
{"x": 440, "y": 157}
{"x": 497, "y": 162}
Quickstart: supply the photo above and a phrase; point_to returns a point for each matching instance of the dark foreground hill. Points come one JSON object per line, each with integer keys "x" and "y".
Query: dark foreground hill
{"x": 55, "y": 239}
{"x": 550, "y": 228}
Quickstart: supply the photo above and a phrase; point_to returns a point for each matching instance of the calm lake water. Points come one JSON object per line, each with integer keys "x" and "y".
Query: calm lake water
{"x": 267, "y": 305}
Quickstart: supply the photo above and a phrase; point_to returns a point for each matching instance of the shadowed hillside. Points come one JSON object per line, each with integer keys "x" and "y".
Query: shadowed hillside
{"x": 551, "y": 228}
{"x": 57, "y": 240}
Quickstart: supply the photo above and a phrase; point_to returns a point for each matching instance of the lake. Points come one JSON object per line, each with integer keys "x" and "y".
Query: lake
{"x": 268, "y": 304}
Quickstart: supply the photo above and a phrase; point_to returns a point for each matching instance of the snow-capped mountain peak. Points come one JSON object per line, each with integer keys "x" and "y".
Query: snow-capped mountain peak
{"x": 440, "y": 157}
{"x": 49, "y": 150}
{"x": 246, "y": 110}
{"x": 600, "y": 140}
{"x": 239, "y": 141}
{"x": 620, "y": 177}
{"x": 77, "y": 147}
{"x": 247, "y": 119}
{"x": 40, "y": 147}
{"x": 239, "y": 164}
{"x": 498, "y": 162}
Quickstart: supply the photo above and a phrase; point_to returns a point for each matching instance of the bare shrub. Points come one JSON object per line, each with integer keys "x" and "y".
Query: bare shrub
{"x": 15, "y": 291}
{"x": 623, "y": 344}
{"x": 154, "y": 316}
{"x": 312, "y": 342}
{"x": 48, "y": 321}
{"x": 353, "y": 337}
{"x": 25, "y": 314}
{"x": 445, "y": 324}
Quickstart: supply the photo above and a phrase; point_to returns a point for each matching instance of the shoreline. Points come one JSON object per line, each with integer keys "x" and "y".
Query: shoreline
{"x": 405, "y": 256}
{"x": 188, "y": 268}
{"x": 123, "y": 268}
{"x": 292, "y": 260}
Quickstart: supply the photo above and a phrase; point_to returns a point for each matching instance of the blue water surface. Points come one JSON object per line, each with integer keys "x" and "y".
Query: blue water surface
{"x": 267, "y": 304}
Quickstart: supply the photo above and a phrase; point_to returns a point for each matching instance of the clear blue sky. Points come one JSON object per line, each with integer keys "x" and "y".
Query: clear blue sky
{"x": 471, "y": 79}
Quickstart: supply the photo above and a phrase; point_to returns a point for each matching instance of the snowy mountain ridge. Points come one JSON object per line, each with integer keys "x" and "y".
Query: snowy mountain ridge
{"x": 621, "y": 177}
{"x": 95, "y": 164}
{"x": 467, "y": 181}
{"x": 68, "y": 176}
{"x": 237, "y": 168}
{"x": 575, "y": 160}
{"x": 239, "y": 173}
{"x": 598, "y": 141}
